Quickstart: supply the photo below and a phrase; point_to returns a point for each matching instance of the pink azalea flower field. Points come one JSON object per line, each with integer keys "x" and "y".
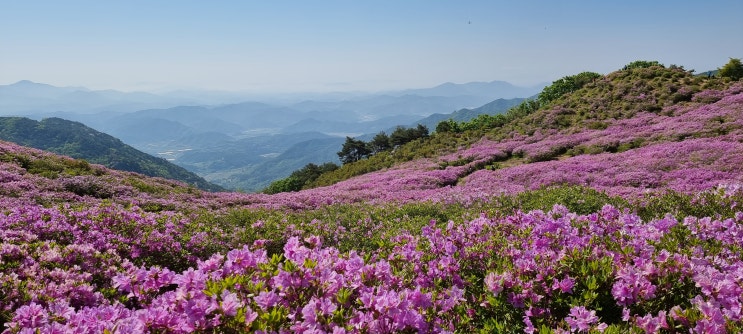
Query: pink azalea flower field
{"x": 91, "y": 250}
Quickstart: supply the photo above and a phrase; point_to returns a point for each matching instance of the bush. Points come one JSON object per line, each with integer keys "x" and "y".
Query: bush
{"x": 642, "y": 64}
{"x": 288, "y": 184}
{"x": 87, "y": 185}
{"x": 566, "y": 85}
{"x": 733, "y": 70}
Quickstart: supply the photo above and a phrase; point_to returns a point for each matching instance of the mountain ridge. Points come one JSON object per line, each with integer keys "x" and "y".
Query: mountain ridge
{"x": 78, "y": 141}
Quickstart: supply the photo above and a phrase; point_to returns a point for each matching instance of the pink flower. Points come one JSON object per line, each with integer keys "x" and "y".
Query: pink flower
{"x": 581, "y": 319}
{"x": 230, "y": 303}
{"x": 565, "y": 285}
{"x": 494, "y": 283}
{"x": 250, "y": 316}
{"x": 31, "y": 316}
{"x": 266, "y": 299}
{"x": 529, "y": 329}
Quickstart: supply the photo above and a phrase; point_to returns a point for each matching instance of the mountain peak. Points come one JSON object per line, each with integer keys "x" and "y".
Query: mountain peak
{"x": 491, "y": 90}
{"x": 29, "y": 83}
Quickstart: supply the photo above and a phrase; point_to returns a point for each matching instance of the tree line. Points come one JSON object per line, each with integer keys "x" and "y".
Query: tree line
{"x": 355, "y": 149}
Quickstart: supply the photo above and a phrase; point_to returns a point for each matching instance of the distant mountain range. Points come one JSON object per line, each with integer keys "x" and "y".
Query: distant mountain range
{"x": 498, "y": 106}
{"x": 493, "y": 90}
{"x": 81, "y": 142}
{"x": 241, "y": 145}
{"x": 26, "y": 97}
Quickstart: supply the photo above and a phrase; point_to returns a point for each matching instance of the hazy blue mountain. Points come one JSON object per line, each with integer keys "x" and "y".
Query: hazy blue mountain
{"x": 145, "y": 130}
{"x": 379, "y": 106}
{"x": 81, "y": 142}
{"x": 230, "y": 119}
{"x": 498, "y": 106}
{"x": 26, "y": 97}
{"x": 26, "y": 88}
{"x": 490, "y": 90}
{"x": 349, "y": 128}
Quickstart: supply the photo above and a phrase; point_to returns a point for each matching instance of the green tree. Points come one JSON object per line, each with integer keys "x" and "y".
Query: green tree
{"x": 353, "y": 150}
{"x": 380, "y": 143}
{"x": 403, "y": 135}
{"x": 448, "y": 125}
{"x": 399, "y": 137}
{"x": 309, "y": 172}
{"x": 421, "y": 131}
{"x": 733, "y": 69}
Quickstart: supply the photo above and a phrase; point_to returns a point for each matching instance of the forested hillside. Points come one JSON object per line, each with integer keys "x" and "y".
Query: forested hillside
{"x": 81, "y": 142}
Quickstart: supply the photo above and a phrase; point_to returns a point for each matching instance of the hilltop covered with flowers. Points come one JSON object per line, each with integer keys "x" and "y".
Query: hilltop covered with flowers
{"x": 610, "y": 215}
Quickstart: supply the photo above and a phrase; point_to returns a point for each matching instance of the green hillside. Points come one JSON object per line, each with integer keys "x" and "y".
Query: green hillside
{"x": 571, "y": 104}
{"x": 81, "y": 142}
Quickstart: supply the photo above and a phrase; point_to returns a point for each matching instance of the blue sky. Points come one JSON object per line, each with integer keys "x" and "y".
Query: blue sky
{"x": 290, "y": 46}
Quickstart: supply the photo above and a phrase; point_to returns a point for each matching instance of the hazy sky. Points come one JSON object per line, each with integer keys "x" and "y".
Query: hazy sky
{"x": 278, "y": 45}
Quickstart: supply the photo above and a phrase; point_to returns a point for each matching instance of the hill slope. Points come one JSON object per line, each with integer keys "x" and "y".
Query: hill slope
{"x": 79, "y": 141}
{"x": 609, "y": 114}
{"x": 611, "y": 220}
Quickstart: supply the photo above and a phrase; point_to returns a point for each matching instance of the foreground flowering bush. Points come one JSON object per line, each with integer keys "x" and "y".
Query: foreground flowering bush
{"x": 607, "y": 271}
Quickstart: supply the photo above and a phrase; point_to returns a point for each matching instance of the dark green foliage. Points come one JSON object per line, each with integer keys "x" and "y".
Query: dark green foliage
{"x": 310, "y": 172}
{"x": 288, "y": 184}
{"x": 421, "y": 131}
{"x": 380, "y": 142}
{"x": 353, "y": 150}
{"x": 299, "y": 178}
{"x": 733, "y": 70}
{"x": 642, "y": 64}
{"x": 402, "y": 135}
{"x": 448, "y": 125}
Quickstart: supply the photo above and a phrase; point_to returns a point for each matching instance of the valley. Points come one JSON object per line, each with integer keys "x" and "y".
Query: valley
{"x": 245, "y": 146}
